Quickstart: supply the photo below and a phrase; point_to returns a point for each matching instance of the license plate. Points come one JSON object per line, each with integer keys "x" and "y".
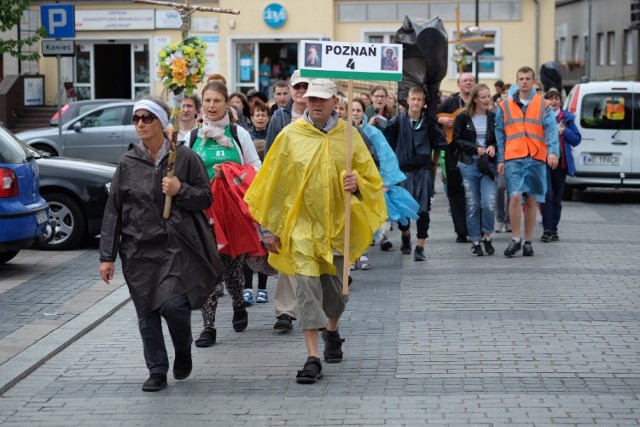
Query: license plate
{"x": 600, "y": 160}
{"x": 41, "y": 217}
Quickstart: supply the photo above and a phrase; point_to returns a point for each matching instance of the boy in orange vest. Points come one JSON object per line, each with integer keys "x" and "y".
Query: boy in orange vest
{"x": 527, "y": 139}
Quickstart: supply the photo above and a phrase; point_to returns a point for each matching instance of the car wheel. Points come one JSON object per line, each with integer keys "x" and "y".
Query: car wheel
{"x": 7, "y": 256}
{"x": 45, "y": 149}
{"x": 70, "y": 222}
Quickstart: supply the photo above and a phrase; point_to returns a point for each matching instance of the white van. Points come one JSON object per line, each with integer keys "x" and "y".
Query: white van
{"x": 608, "y": 117}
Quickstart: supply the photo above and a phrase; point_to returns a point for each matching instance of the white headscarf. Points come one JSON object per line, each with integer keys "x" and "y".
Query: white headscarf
{"x": 157, "y": 110}
{"x": 215, "y": 130}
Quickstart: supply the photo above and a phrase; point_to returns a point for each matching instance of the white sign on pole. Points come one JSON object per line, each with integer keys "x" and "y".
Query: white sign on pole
{"x": 58, "y": 47}
{"x": 352, "y": 61}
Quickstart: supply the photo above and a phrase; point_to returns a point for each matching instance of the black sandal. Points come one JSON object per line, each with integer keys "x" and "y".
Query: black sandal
{"x": 332, "y": 346}
{"x": 240, "y": 319}
{"x": 311, "y": 371}
{"x": 207, "y": 337}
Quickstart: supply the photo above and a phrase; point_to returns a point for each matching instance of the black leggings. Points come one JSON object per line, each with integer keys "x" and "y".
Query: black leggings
{"x": 248, "y": 278}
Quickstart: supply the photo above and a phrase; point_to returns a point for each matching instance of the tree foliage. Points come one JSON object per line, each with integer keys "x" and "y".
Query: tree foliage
{"x": 10, "y": 15}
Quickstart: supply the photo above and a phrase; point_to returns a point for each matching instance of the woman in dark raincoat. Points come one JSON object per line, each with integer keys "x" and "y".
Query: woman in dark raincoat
{"x": 170, "y": 266}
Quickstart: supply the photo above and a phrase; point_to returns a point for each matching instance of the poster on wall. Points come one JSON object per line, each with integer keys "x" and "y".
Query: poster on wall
{"x": 212, "y": 53}
{"x": 34, "y": 91}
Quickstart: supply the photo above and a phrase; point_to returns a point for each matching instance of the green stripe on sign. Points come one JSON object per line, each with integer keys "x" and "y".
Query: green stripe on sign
{"x": 350, "y": 75}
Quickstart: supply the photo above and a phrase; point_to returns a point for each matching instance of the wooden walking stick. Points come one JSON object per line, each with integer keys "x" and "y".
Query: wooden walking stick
{"x": 347, "y": 200}
{"x": 173, "y": 137}
{"x": 185, "y": 10}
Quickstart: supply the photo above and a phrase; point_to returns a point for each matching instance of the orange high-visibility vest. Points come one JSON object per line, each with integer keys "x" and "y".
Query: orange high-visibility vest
{"x": 615, "y": 108}
{"x": 524, "y": 132}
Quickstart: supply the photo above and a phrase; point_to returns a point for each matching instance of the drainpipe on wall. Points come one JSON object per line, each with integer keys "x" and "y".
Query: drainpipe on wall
{"x": 537, "y": 66}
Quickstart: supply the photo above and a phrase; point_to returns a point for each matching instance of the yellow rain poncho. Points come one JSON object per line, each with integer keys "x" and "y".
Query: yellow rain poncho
{"x": 298, "y": 195}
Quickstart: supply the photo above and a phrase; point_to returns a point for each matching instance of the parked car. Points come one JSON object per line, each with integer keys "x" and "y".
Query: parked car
{"x": 77, "y": 192}
{"x": 101, "y": 134}
{"x": 23, "y": 211}
{"x": 74, "y": 109}
{"x": 608, "y": 117}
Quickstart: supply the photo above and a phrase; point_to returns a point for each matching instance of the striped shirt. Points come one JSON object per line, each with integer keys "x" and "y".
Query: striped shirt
{"x": 480, "y": 123}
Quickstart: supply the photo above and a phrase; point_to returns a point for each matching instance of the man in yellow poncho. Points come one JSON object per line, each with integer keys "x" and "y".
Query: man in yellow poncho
{"x": 299, "y": 197}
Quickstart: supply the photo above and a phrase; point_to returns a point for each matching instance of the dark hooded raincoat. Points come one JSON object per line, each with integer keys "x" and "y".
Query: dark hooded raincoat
{"x": 161, "y": 259}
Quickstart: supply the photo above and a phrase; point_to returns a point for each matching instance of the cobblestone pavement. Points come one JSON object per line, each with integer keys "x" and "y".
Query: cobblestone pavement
{"x": 457, "y": 340}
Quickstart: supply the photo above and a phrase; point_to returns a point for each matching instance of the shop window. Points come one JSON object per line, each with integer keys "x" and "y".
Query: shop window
{"x": 82, "y": 72}
{"x": 352, "y": 12}
{"x": 417, "y": 11}
{"x": 489, "y": 10}
{"x": 141, "y": 78}
{"x": 505, "y": 11}
{"x": 381, "y": 12}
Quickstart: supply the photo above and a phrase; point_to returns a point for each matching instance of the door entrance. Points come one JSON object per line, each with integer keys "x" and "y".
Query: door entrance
{"x": 283, "y": 61}
{"x": 112, "y": 71}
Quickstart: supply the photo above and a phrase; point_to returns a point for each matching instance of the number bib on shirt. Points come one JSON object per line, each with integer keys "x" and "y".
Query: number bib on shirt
{"x": 213, "y": 153}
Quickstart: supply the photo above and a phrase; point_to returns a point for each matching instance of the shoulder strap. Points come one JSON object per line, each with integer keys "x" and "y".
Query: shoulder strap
{"x": 192, "y": 137}
{"x": 234, "y": 134}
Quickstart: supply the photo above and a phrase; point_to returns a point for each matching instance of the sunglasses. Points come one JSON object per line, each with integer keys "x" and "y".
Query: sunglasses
{"x": 146, "y": 118}
{"x": 301, "y": 86}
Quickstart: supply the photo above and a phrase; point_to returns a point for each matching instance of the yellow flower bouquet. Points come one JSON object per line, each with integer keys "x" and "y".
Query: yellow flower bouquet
{"x": 181, "y": 65}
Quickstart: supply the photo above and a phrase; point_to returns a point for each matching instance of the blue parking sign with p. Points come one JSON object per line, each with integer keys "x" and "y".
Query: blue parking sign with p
{"x": 58, "y": 20}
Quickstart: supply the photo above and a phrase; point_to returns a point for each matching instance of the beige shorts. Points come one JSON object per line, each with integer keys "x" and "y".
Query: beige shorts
{"x": 320, "y": 298}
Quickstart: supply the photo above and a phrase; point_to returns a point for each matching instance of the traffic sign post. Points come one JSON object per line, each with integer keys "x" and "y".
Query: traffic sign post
{"x": 59, "y": 21}
{"x": 349, "y": 61}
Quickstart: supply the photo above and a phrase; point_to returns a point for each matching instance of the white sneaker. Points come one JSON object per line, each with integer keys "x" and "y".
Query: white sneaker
{"x": 363, "y": 263}
{"x": 498, "y": 227}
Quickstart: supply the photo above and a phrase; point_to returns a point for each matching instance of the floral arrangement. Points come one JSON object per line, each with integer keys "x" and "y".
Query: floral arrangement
{"x": 181, "y": 65}
{"x": 460, "y": 55}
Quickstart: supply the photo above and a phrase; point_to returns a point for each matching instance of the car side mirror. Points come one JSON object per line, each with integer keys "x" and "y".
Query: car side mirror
{"x": 77, "y": 126}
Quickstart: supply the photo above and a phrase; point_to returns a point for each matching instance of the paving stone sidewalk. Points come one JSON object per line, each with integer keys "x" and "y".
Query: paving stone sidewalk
{"x": 456, "y": 340}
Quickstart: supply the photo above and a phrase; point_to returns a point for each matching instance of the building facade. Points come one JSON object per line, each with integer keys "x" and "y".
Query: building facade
{"x": 116, "y": 42}
{"x": 597, "y": 40}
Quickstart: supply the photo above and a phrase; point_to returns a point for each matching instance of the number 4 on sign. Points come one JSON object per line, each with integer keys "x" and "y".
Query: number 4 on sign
{"x": 351, "y": 63}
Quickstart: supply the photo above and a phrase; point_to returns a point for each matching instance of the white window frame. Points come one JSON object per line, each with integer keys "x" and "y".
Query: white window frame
{"x": 497, "y": 51}
{"x": 601, "y": 49}
{"x": 562, "y": 50}
{"x": 611, "y": 48}
{"x": 575, "y": 48}
{"x": 387, "y": 35}
{"x": 629, "y": 47}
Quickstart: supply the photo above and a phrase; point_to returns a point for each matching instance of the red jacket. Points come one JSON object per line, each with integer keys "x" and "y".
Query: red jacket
{"x": 236, "y": 231}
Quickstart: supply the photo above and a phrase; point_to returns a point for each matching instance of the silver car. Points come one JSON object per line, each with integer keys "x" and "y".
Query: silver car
{"x": 102, "y": 134}
{"x": 77, "y": 108}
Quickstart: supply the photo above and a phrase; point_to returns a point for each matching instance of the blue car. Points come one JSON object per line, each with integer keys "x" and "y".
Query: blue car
{"x": 24, "y": 215}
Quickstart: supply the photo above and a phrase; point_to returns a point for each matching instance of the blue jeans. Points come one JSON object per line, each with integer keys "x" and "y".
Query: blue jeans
{"x": 480, "y": 195}
{"x": 177, "y": 313}
{"x": 552, "y": 207}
